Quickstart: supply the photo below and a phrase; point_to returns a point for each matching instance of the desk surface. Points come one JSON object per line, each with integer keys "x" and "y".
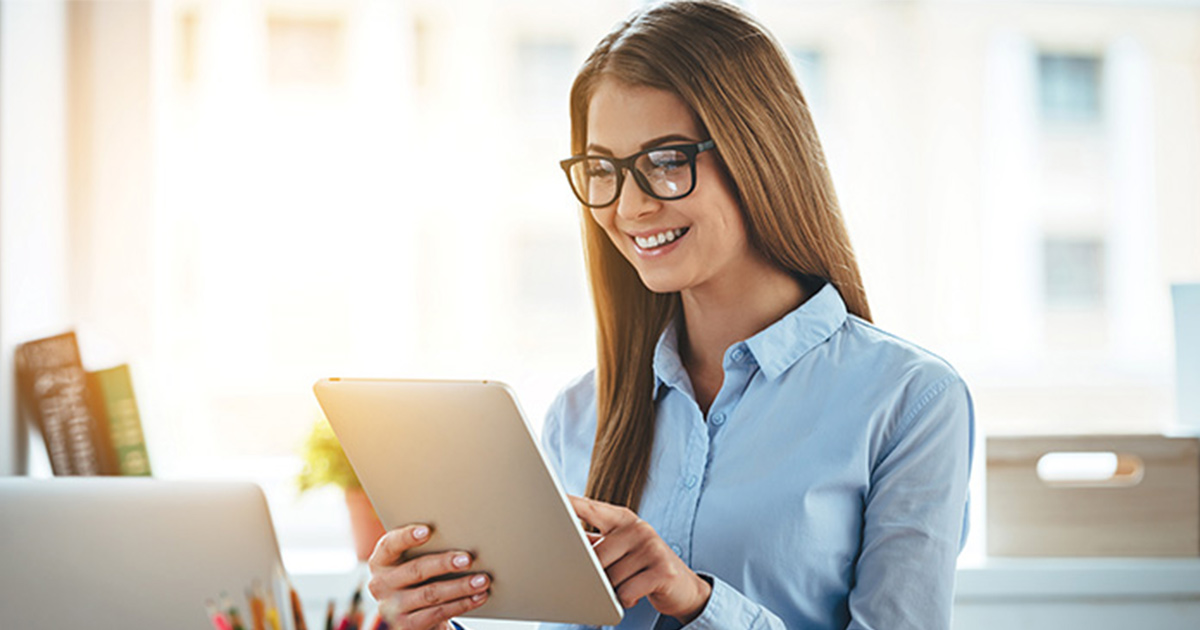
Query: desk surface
{"x": 980, "y": 577}
{"x": 989, "y": 588}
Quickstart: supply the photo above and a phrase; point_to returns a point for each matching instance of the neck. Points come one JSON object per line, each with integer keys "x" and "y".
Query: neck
{"x": 716, "y": 317}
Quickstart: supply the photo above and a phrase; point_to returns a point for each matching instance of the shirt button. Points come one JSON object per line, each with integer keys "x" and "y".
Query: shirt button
{"x": 719, "y": 419}
{"x": 691, "y": 481}
{"x": 678, "y": 551}
{"x": 738, "y": 354}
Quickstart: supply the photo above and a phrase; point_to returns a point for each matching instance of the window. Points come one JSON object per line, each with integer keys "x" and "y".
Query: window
{"x": 1069, "y": 88}
{"x": 1074, "y": 272}
{"x": 188, "y": 46}
{"x": 810, "y": 73}
{"x": 304, "y": 50}
{"x": 545, "y": 69}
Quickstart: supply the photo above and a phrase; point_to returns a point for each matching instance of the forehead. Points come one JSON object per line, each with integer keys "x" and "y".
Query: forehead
{"x": 622, "y": 117}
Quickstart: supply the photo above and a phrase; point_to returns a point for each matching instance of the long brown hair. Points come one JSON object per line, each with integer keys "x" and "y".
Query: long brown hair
{"x": 737, "y": 79}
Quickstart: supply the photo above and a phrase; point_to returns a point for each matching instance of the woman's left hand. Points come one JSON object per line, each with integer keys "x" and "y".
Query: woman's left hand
{"x": 639, "y": 564}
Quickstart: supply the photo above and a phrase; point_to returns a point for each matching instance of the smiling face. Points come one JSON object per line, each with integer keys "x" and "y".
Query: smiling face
{"x": 687, "y": 244}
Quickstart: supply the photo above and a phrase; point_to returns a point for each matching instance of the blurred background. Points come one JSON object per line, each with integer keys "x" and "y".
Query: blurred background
{"x": 240, "y": 197}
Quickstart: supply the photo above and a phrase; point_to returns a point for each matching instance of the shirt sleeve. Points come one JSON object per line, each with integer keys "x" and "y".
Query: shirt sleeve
{"x": 915, "y": 517}
{"x": 726, "y": 609}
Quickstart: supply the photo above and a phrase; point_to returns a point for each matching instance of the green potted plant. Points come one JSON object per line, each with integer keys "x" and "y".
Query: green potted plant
{"x": 325, "y": 464}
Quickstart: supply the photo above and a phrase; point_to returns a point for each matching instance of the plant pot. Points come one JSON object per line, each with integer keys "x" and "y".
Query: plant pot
{"x": 364, "y": 523}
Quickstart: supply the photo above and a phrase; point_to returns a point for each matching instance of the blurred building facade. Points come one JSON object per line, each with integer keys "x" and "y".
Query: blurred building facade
{"x": 265, "y": 193}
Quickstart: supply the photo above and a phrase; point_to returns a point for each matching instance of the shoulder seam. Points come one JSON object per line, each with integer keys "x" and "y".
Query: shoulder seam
{"x": 906, "y": 421}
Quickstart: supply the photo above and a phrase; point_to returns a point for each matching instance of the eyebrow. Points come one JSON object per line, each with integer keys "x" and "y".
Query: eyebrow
{"x": 590, "y": 148}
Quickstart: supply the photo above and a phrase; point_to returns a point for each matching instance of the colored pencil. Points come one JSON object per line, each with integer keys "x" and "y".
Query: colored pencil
{"x": 235, "y": 619}
{"x": 218, "y": 618}
{"x": 257, "y": 609}
{"x": 354, "y": 617}
{"x": 297, "y": 609}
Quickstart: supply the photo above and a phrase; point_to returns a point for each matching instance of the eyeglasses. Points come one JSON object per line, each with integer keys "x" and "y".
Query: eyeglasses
{"x": 662, "y": 172}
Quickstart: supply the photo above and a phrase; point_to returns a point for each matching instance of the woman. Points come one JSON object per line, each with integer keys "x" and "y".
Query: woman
{"x": 756, "y": 454}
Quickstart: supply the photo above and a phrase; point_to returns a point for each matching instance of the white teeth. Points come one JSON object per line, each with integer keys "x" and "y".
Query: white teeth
{"x": 657, "y": 240}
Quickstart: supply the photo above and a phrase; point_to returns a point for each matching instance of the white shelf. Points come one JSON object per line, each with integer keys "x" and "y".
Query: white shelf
{"x": 1019, "y": 579}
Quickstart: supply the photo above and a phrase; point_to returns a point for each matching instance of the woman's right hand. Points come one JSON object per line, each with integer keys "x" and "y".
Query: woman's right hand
{"x": 407, "y": 597}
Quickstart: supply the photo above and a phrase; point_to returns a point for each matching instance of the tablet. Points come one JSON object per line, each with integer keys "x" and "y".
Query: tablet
{"x": 459, "y": 455}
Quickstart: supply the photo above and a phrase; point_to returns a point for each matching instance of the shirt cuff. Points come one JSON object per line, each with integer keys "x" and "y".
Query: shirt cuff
{"x": 726, "y": 608}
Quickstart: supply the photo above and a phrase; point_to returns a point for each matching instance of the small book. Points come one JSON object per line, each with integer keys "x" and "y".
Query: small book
{"x": 115, "y": 387}
{"x": 53, "y": 395}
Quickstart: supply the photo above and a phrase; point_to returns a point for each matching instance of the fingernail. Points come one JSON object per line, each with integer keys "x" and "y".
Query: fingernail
{"x": 478, "y": 597}
{"x": 478, "y": 581}
{"x": 461, "y": 561}
{"x": 421, "y": 532}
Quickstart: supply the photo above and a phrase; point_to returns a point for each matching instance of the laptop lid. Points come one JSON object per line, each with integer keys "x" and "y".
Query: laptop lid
{"x": 132, "y": 553}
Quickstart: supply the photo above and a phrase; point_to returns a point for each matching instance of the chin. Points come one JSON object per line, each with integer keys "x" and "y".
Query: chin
{"x": 660, "y": 284}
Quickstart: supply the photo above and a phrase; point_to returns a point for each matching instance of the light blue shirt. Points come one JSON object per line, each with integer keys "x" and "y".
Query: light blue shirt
{"x": 827, "y": 488}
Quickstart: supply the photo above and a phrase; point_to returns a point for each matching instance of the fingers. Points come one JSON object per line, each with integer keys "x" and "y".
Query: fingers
{"x": 623, "y": 540}
{"x": 432, "y": 617}
{"x": 409, "y": 593}
{"x": 393, "y": 544}
{"x": 438, "y": 593}
{"x": 385, "y": 580}
{"x": 636, "y": 587}
{"x": 440, "y": 614}
{"x": 603, "y": 516}
{"x": 626, "y": 567}
{"x": 428, "y": 567}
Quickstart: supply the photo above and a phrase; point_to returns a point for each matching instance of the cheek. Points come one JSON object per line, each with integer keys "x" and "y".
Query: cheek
{"x": 605, "y": 221}
{"x": 725, "y": 215}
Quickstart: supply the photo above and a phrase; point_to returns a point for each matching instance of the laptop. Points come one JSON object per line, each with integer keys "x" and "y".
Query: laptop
{"x": 120, "y": 553}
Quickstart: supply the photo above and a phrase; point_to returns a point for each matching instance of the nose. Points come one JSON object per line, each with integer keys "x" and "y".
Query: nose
{"x": 632, "y": 202}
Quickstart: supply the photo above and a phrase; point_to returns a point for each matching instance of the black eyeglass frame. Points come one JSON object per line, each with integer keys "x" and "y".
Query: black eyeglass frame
{"x": 627, "y": 164}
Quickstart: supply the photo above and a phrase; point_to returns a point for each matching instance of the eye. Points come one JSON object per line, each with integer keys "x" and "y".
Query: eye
{"x": 667, "y": 160}
{"x": 598, "y": 169}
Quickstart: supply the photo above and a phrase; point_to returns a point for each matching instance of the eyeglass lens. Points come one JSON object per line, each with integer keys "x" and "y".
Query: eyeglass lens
{"x": 665, "y": 174}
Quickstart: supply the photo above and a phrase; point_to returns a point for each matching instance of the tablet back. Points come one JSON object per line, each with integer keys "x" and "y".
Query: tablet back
{"x": 460, "y": 457}
{"x": 111, "y": 552}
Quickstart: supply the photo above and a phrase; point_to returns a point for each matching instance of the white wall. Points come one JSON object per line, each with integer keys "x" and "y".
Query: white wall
{"x": 33, "y": 206}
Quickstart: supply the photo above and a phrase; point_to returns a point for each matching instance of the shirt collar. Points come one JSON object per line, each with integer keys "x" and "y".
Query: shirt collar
{"x": 668, "y": 365}
{"x": 775, "y": 348}
{"x": 780, "y": 345}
